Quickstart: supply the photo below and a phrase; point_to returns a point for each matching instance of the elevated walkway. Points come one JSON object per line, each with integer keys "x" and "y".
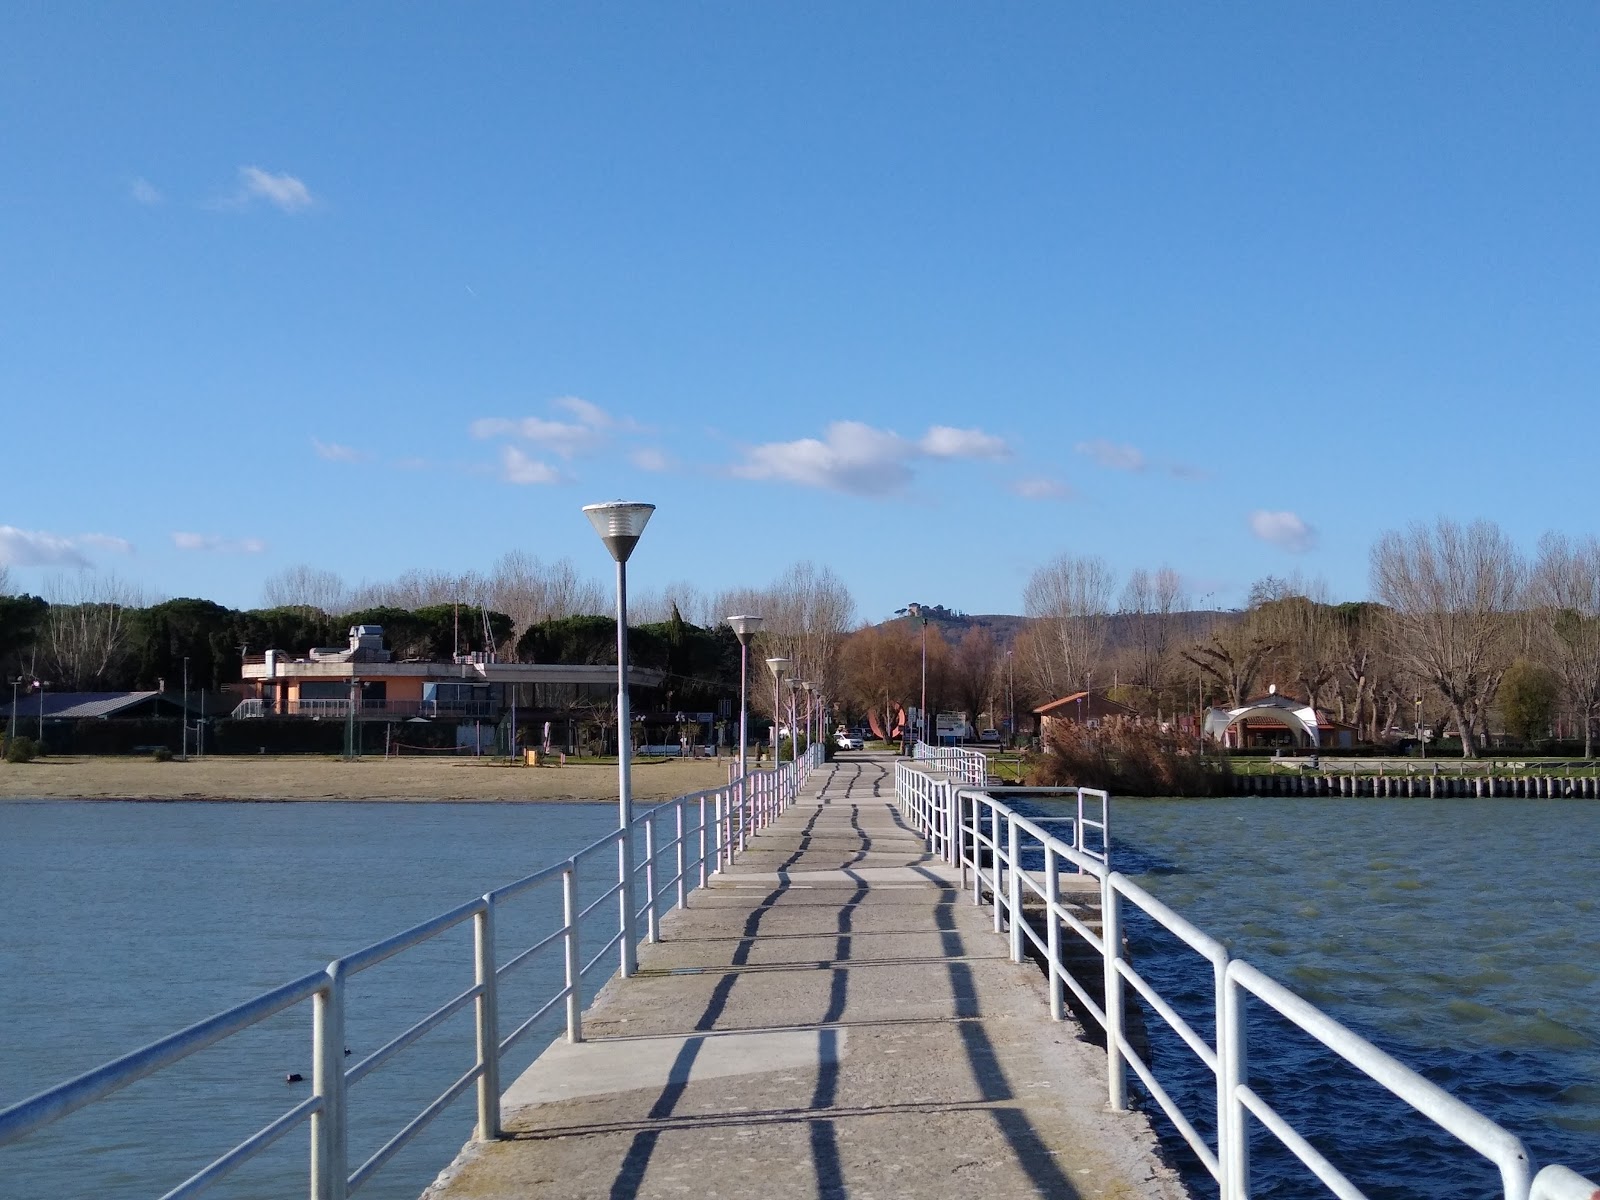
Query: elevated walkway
{"x": 831, "y": 1017}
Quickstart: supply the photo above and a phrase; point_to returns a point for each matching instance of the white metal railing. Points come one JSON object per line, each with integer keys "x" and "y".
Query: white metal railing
{"x": 705, "y": 831}
{"x": 340, "y": 708}
{"x": 970, "y": 766}
{"x": 990, "y": 841}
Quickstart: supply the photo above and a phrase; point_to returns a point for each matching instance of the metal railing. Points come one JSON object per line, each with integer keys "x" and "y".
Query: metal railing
{"x": 705, "y": 831}
{"x": 989, "y": 841}
{"x": 970, "y": 766}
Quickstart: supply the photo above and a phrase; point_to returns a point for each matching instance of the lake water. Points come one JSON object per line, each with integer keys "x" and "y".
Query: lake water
{"x": 1462, "y": 936}
{"x": 125, "y": 922}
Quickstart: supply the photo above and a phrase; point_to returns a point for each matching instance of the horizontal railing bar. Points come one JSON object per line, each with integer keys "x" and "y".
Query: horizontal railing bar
{"x": 603, "y": 951}
{"x": 1206, "y": 1155}
{"x": 27, "y": 1115}
{"x": 390, "y": 1148}
{"x": 245, "y": 1150}
{"x": 611, "y": 839}
{"x": 1427, "y": 1097}
{"x": 400, "y": 1041}
{"x": 1169, "y": 1014}
{"x": 516, "y": 1034}
{"x": 1180, "y": 927}
{"x": 1298, "y": 1146}
{"x": 518, "y": 959}
{"x": 518, "y": 886}
{"x": 371, "y": 956}
{"x": 599, "y": 900}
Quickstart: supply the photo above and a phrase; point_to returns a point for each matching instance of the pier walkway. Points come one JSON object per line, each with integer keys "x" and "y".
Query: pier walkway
{"x": 830, "y": 1017}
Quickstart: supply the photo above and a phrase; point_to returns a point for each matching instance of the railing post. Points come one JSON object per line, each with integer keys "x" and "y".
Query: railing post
{"x": 574, "y": 964}
{"x": 488, "y": 1006}
{"x": 704, "y": 831}
{"x": 1052, "y": 905}
{"x": 998, "y": 852}
{"x": 717, "y": 837}
{"x": 683, "y": 898}
{"x": 743, "y": 818}
{"x": 1225, "y": 1090}
{"x": 1014, "y": 891}
{"x": 953, "y": 827}
{"x": 1235, "y": 1070}
{"x": 652, "y": 927}
{"x": 1111, "y": 936}
{"x": 330, "y": 1169}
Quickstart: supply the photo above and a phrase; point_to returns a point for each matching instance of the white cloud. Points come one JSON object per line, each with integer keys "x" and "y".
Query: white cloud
{"x": 284, "y": 191}
{"x": 519, "y": 468}
{"x": 1283, "y": 529}
{"x": 593, "y": 415}
{"x": 25, "y": 548}
{"x": 334, "y": 452}
{"x": 145, "y": 192}
{"x": 944, "y": 442}
{"x": 648, "y": 458}
{"x": 1115, "y": 456}
{"x": 212, "y": 543}
{"x": 861, "y": 460}
{"x": 104, "y": 541}
{"x": 559, "y": 437}
{"x": 1043, "y": 489}
{"x": 855, "y": 458}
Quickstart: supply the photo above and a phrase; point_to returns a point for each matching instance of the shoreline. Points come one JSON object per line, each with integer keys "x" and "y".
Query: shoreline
{"x": 296, "y": 780}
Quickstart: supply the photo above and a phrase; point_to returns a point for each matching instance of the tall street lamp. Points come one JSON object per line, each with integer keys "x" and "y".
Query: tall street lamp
{"x": 184, "y": 754}
{"x": 15, "y": 685}
{"x": 41, "y": 685}
{"x": 744, "y": 628}
{"x": 779, "y": 668}
{"x": 795, "y": 685}
{"x": 620, "y": 525}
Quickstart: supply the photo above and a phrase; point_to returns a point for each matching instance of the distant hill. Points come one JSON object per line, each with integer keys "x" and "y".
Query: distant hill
{"x": 1004, "y": 627}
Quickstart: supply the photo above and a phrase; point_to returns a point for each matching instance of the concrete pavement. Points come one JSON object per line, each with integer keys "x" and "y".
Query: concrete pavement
{"x": 830, "y": 1018}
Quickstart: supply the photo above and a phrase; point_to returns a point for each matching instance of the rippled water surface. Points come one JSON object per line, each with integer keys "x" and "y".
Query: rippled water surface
{"x": 1462, "y": 936}
{"x": 126, "y": 922}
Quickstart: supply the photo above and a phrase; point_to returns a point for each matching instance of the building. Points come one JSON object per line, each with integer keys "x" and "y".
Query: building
{"x": 1277, "y": 721}
{"x": 94, "y": 706}
{"x": 1090, "y": 709}
{"x": 362, "y": 681}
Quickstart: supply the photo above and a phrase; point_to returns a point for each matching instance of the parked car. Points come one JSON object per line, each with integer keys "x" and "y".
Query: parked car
{"x": 848, "y": 741}
{"x": 989, "y": 737}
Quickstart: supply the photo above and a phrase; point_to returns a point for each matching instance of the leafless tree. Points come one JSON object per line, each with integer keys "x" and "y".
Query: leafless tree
{"x": 880, "y": 667}
{"x": 86, "y": 628}
{"x": 808, "y": 613}
{"x": 1294, "y": 615}
{"x": 1564, "y": 595}
{"x": 1450, "y": 590}
{"x": 975, "y": 666}
{"x": 1069, "y": 600}
{"x": 5, "y": 580}
{"x": 306, "y": 587}
{"x": 1232, "y": 653}
{"x": 1150, "y": 606}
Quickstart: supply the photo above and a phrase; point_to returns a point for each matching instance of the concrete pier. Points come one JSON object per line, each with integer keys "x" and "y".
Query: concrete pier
{"x": 831, "y": 1017}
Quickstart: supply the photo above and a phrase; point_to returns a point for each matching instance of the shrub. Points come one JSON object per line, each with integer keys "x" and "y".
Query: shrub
{"x": 161, "y": 754}
{"x": 1129, "y": 760}
{"x": 21, "y": 750}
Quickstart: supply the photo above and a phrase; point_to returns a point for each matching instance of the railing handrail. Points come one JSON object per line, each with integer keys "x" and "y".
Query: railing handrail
{"x": 727, "y": 816}
{"x": 987, "y": 845}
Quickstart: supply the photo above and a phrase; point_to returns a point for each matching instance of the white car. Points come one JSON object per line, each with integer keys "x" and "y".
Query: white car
{"x": 989, "y": 737}
{"x": 848, "y": 741}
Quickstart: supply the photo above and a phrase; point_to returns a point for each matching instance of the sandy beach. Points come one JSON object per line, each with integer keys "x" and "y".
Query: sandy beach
{"x": 302, "y": 778}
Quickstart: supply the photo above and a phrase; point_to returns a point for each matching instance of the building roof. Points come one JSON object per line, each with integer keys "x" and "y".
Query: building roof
{"x": 72, "y": 706}
{"x": 1095, "y": 703}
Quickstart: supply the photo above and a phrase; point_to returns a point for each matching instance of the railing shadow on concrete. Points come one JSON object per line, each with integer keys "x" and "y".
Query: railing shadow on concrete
{"x": 707, "y": 830}
{"x": 990, "y": 841}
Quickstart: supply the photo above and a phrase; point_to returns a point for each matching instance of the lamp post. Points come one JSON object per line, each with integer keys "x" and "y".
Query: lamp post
{"x": 794, "y": 719}
{"x": 15, "y": 685}
{"x": 620, "y": 525}
{"x": 41, "y": 684}
{"x": 1421, "y": 741}
{"x": 184, "y": 743}
{"x": 744, "y": 628}
{"x": 1011, "y": 697}
{"x": 811, "y": 714}
{"x": 779, "y": 668}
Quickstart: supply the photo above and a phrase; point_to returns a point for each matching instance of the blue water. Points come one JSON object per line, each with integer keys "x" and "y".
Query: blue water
{"x": 125, "y": 922}
{"x": 1461, "y": 936}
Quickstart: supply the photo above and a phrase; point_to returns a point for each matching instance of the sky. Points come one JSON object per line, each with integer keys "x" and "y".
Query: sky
{"x": 929, "y": 294}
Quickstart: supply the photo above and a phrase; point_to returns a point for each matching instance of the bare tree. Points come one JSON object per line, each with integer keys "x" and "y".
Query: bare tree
{"x": 1564, "y": 596}
{"x": 5, "y": 580}
{"x": 975, "y": 664}
{"x": 86, "y": 628}
{"x": 1232, "y": 653}
{"x": 880, "y": 667}
{"x": 1150, "y": 605}
{"x": 1069, "y": 600}
{"x": 1295, "y": 617}
{"x": 306, "y": 587}
{"x": 1450, "y": 591}
{"x": 808, "y": 612}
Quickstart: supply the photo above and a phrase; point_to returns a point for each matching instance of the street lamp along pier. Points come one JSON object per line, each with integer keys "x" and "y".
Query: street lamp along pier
{"x": 620, "y": 524}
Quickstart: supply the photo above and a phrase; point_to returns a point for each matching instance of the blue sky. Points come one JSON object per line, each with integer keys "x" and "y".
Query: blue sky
{"x": 928, "y": 293}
